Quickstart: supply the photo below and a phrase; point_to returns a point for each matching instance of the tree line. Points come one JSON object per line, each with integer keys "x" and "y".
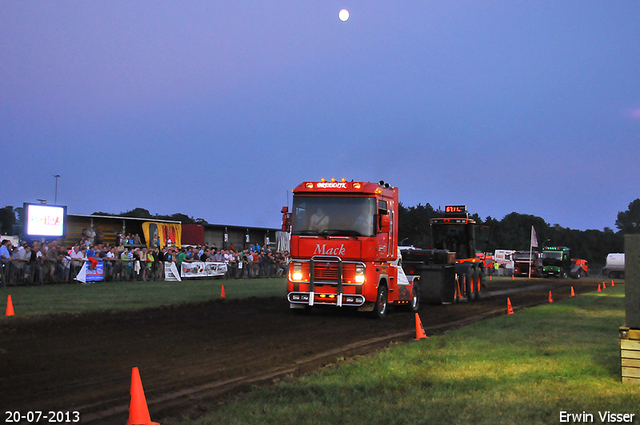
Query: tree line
{"x": 514, "y": 232}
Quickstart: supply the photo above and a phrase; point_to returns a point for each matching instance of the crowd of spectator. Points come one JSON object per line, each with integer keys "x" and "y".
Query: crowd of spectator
{"x": 41, "y": 263}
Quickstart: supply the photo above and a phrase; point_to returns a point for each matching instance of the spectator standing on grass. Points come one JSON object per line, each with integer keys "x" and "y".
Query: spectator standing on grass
{"x": 77, "y": 260}
{"x": 51, "y": 260}
{"x": 205, "y": 255}
{"x": 5, "y": 257}
{"x": 64, "y": 264}
{"x": 180, "y": 259}
{"x": 110, "y": 264}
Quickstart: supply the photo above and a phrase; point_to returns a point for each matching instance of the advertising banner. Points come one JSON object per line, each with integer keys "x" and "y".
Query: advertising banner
{"x": 202, "y": 269}
{"x": 167, "y": 233}
{"x": 91, "y": 274}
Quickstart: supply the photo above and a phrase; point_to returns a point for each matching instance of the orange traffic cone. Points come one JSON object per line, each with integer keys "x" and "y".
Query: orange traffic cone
{"x": 509, "y": 308}
{"x": 604, "y": 286}
{"x": 550, "y": 298}
{"x": 10, "y": 311}
{"x": 573, "y": 294}
{"x": 420, "y": 334}
{"x": 138, "y": 410}
{"x": 612, "y": 284}
{"x": 599, "y": 290}
{"x": 222, "y": 292}
{"x": 513, "y": 277}
{"x": 490, "y": 277}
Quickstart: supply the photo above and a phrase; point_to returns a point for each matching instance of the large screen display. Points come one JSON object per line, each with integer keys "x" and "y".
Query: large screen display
{"x": 44, "y": 220}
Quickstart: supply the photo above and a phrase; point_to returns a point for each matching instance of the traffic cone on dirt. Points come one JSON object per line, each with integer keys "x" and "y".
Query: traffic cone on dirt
{"x": 573, "y": 294}
{"x": 509, "y": 308}
{"x": 10, "y": 311}
{"x": 513, "y": 277}
{"x": 420, "y": 334}
{"x": 222, "y": 292}
{"x": 138, "y": 410}
{"x": 599, "y": 289}
{"x": 550, "y": 298}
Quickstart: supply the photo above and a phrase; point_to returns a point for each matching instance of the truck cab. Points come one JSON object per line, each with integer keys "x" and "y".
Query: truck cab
{"x": 527, "y": 263}
{"x": 344, "y": 248}
{"x": 556, "y": 261}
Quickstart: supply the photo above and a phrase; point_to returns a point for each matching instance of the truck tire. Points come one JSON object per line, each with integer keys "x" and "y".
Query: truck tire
{"x": 415, "y": 301}
{"x": 479, "y": 285}
{"x": 382, "y": 303}
{"x": 460, "y": 293}
{"x": 470, "y": 283}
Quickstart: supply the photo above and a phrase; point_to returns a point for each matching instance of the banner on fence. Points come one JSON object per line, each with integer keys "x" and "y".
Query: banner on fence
{"x": 202, "y": 269}
{"x": 91, "y": 274}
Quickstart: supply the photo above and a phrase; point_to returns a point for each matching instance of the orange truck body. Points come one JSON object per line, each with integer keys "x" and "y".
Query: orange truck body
{"x": 344, "y": 247}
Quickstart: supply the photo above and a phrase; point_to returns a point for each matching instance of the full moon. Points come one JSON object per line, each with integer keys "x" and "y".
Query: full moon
{"x": 343, "y": 15}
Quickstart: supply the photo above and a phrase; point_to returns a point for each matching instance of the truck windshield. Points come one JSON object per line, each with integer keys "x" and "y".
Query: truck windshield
{"x": 455, "y": 238}
{"x": 333, "y": 216}
{"x": 552, "y": 255}
{"x": 519, "y": 256}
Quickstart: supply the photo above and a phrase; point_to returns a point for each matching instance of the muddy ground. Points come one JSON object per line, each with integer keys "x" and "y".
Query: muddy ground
{"x": 195, "y": 356}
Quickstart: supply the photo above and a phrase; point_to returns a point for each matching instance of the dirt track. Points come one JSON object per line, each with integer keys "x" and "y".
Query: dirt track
{"x": 191, "y": 355}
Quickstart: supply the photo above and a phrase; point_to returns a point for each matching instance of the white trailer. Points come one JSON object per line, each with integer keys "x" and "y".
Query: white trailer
{"x": 614, "y": 267}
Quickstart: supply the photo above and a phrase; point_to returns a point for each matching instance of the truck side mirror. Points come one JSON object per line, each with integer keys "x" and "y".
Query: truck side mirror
{"x": 384, "y": 223}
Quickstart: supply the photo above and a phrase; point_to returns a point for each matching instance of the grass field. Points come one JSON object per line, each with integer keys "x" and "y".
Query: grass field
{"x": 116, "y": 296}
{"x": 525, "y": 368}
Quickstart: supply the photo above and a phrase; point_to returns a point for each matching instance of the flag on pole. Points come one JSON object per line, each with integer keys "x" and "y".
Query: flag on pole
{"x": 534, "y": 238}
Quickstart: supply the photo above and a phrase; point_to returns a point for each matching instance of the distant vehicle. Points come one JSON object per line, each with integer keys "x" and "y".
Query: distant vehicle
{"x": 523, "y": 261}
{"x": 579, "y": 268}
{"x": 504, "y": 258}
{"x": 557, "y": 262}
{"x": 614, "y": 267}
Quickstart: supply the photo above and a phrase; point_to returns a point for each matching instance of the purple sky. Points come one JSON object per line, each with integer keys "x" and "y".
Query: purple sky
{"x": 218, "y": 109}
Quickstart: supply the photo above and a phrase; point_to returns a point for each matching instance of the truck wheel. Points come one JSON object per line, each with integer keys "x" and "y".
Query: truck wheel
{"x": 380, "y": 307}
{"x": 470, "y": 283}
{"x": 479, "y": 284}
{"x": 460, "y": 292}
{"x": 415, "y": 301}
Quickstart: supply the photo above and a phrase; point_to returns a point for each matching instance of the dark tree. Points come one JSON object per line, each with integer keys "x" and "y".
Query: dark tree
{"x": 7, "y": 220}
{"x": 629, "y": 221}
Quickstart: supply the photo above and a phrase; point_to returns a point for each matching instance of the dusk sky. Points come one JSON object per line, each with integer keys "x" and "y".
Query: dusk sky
{"x": 218, "y": 109}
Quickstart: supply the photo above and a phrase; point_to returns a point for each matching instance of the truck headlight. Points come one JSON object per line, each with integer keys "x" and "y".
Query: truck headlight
{"x": 296, "y": 272}
{"x": 359, "y": 274}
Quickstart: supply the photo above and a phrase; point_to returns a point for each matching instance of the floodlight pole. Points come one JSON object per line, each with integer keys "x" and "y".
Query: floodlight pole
{"x": 56, "y": 197}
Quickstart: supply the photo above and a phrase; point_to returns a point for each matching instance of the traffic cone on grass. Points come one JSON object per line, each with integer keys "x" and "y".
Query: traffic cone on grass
{"x": 420, "y": 334}
{"x": 550, "y": 298}
{"x": 612, "y": 284}
{"x": 222, "y": 292}
{"x": 604, "y": 285}
{"x": 138, "y": 410}
{"x": 509, "y": 308}
{"x": 599, "y": 290}
{"x": 10, "y": 311}
{"x": 573, "y": 294}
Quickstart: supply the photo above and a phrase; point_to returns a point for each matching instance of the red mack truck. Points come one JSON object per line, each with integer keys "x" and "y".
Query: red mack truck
{"x": 344, "y": 252}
